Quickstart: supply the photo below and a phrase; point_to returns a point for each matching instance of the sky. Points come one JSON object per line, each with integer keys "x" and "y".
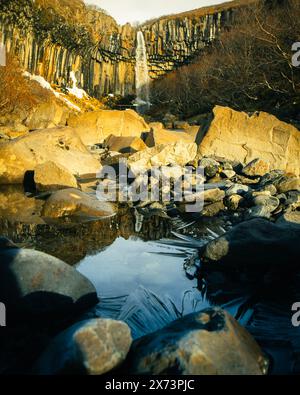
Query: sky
{"x": 141, "y": 10}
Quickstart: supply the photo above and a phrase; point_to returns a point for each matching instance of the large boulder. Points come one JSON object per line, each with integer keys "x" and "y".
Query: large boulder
{"x": 194, "y": 132}
{"x": 178, "y": 154}
{"x": 91, "y": 347}
{"x": 94, "y": 127}
{"x": 51, "y": 176}
{"x": 125, "y": 145}
{"x": 61, "y": 146}
{"x": 162, "y": 136}
{"x": 47, "y": 115}
{"x": 71, "y": 202}
{"x": 209, "y": 342}
{"x": 256, "y": 243}
{"x": 288, "y": 184}
{"x": 238, "y": 136}
{"x": 37, "y": 285}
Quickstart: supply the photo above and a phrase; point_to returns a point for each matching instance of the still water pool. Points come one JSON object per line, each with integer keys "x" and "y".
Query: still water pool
{"x": 149, "y": 284}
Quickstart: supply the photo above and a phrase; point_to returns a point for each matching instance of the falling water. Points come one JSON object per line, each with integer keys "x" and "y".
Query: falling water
{"x": 142, "y": 75}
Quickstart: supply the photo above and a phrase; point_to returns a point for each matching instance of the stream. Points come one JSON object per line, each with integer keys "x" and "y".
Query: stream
{"x": 151, "y": 278}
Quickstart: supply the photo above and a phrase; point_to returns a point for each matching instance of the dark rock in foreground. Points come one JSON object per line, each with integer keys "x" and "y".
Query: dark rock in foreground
{"x": 256, "y": 243}
{"x": 210, "y": 342}
{"x": 35, "y": 285}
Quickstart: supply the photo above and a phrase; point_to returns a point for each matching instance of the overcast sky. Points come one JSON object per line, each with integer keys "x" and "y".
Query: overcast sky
{"x": 140, "y": 10}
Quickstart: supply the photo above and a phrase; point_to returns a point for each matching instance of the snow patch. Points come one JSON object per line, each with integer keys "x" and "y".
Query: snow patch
{"x": 79, "y": 93}
{"x": 41, "y": 80}
{"x": 45, "y": 84}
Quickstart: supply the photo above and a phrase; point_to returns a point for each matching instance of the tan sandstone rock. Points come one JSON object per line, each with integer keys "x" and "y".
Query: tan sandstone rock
{"x": 72, "y": 202}
{"x": 50, "y": 176}
{"x": 209, "y": 342}
{"x": 125, "y": 144}
{"x": 179, "y": 154}
{"x": 10, "y": 133}
{"x": 256, "y": 167}
{"x": 94, "y": 347}
{"x": 162, "y": 136}
{"x": 59, "y": 145}
{"x": 238, "y": 136}
{"x": 48, "y": 115}
{"x": 156, "y": 125}
{"x": 95, "y": 127}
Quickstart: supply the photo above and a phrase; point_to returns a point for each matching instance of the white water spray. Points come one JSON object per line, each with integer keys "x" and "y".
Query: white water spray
{"x": 142, "y": 75}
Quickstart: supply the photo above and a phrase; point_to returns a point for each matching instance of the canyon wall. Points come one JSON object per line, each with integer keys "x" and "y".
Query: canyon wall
{"x": 173, "y": 41}
{"x": 53, "y": 38}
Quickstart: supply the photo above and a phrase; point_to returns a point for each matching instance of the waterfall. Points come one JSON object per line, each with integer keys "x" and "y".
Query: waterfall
{"x": 142, "y": 80}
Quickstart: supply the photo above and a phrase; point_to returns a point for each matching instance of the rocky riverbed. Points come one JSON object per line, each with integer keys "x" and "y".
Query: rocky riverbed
{"x": 95, "y": 282}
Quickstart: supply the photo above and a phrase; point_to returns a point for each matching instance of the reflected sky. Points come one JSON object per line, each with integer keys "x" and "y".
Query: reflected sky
{"x": 128, "y": 264}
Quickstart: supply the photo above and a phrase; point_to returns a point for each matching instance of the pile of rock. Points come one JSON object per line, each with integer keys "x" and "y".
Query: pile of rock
{"x": 252, "y": 191}
{"x": 230, "y": 188}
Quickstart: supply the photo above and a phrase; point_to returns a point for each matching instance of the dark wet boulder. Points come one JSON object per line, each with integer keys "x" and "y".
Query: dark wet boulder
{"x": 92, "y": 347}
{"x": 288, "y": 184}
{"x": 259, "y": 211}
{"x": 211, "y": 166}
{"x": 209, "y": 342}
{"x": 212, "y": 209}
{"x": 237, "y": 189}
{"x": 255, "y": 243}
{"x": 256, "y": 167}
{"x": 35, "y": 285}
{"x": 6, "y": 243}
{"x": 270, "y": 202}
{"x": 233, "y": 202}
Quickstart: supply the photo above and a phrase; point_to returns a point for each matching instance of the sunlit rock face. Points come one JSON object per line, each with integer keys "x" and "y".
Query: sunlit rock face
{"x": 53, "y": 39}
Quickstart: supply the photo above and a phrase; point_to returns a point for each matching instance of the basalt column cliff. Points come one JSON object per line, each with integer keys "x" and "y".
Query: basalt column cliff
{"x": 53, "y": 38}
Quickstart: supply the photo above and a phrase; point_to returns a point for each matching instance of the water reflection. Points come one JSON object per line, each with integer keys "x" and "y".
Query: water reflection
{"x": 128, "y": 264}
{"x": 71, "y": 241}
{"x": 144, "y": 284}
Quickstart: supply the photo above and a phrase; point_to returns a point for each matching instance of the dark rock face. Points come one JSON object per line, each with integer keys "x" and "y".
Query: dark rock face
{"x": 35, "y": 285}
{"x": 91, "y": 347}
{"x": 101, "y": 52}
{"x": 173, "y": 41}
{"x": 208, "y": 342}
{"x": 256, "y": 243}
